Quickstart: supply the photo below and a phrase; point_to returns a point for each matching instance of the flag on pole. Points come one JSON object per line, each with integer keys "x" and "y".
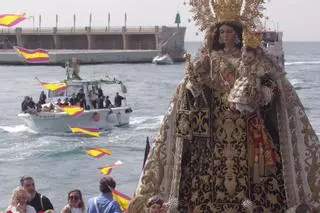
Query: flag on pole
{"x": 9, "y": 20}
{"x": 122, "y": 199}
{"x": 98, "y": 152}
{"x": 56, "y": 87}
{"x": 106, "y": 170}
{"x": 33, "y": 56}
{"x": 73, "y": 111}
{"x": 89, "y": 131}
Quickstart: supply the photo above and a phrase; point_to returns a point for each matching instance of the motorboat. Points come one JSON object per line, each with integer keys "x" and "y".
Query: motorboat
{"x": 162, "y": 59}
{"x": 52, "y": 117}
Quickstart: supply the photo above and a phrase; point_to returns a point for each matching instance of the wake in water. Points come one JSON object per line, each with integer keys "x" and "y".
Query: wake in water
{"x": 301, "y": 63}
{"x": 146, "y": 123}
{"x": 17, "y": 129}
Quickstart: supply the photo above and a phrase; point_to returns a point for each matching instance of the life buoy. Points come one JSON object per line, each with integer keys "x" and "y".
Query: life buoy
{"x": 96, "y": 117}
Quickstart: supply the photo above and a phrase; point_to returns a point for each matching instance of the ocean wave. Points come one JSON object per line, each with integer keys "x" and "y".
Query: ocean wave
{"x": 17, "y": 129}
{"x": 301, "y": 63}
{"x": 145, "y": 119}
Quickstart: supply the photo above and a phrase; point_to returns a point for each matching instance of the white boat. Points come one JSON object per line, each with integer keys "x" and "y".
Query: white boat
{"x": 162, "y": 59}
{"x": 58, "y": 121}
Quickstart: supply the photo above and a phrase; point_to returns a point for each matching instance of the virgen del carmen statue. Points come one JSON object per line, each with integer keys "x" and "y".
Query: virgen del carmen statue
{"x": 235, "y": 137}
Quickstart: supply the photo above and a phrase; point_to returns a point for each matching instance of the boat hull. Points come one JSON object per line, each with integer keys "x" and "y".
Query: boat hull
{"x": 60, "y": 122}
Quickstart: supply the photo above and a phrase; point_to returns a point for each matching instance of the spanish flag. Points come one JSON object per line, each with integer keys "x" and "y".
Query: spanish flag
{"x": 89, "y": 131}
{"x": 33, "y": 56}
{"x": 106, "y": 170}
{"x": 98, "y": 152}
{"x": 73, "y": 111}
{"x": 122, "y": 199}
{"x": 9, "y": 20}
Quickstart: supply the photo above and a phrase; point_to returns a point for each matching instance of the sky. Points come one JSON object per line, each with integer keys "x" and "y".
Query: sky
{"x": 298, "y": 19}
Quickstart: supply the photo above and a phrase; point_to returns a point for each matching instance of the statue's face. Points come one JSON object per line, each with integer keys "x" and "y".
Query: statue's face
{"x": 247, "y": 57}
{"x": 227, "y": 34}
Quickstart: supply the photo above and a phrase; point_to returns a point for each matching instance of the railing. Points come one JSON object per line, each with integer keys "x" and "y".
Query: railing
{"x": 52, "y": 30}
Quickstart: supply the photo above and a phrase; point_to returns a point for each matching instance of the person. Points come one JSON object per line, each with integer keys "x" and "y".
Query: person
{"x": 104, "y": 203}
{"x": 66, "y": 102}
{"x": 156, "y": 205}
{"x": 118, "y": 100}
{"x": 100, "y": 98}
{"x": 108, "y": 102}
{"x": 93, "y": 97}
{"x": 81, "y": 98}
{"x": 24, "y": 104}
{"x": 75, "y": 202}
{"x": 40, "y": 202}
{"x": 201, "y": 155}
{"x": 59, "y": 103}
{"x": 73, "y": 100}
{"x": 42, "y": 98}
{"x": 19, "y": 201}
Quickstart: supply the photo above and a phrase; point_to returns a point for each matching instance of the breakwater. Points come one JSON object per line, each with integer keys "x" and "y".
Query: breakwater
{"x": 94, "y": 44}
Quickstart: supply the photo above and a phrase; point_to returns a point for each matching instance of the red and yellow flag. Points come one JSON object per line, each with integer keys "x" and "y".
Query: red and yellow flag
{"x": 122, "y": 199}
{"x": 106, "y": 170}
{"x": 89, "y": 131}
{"x": 98, "y": 152}
{"x": 9, "y": 20}
{"x": 33, "y": 56}
{"x": 56, "y": 87}
{"x": 73, "y": 111}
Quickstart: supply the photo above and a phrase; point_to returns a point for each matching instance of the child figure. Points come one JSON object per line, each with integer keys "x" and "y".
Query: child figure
{"x": 248, "y": 95}
{"x": 245, "y": 94}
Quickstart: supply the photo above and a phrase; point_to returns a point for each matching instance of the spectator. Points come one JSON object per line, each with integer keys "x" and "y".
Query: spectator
{"x": 104, "y": 203}
{"x": 19, "y": 201}
{"x": 40, "y": 202}
{"x": 118, "y": 100}
{"x": 73, "y": 100}
{"x": 81, "y": 98}
{"x": 156, "y": 205}
{"x": 108, "y": 102}
{"x": 75, "y": 202}
{"x": 42, "y": 98}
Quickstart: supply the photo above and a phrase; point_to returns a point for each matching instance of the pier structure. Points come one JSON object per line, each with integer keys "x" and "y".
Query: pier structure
{"x": 95, "y": 44}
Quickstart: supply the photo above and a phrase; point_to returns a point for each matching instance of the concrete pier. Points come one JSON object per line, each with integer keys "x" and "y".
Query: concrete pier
{"x": 95, "y": 45}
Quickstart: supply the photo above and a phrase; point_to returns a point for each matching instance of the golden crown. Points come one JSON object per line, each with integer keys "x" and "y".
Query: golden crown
{"x": 227, "y": 10}
{"x": 209, "y": 12}
{"x": 251, "y": 38}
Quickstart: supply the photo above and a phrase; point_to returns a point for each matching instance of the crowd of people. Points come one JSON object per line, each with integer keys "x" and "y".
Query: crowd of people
{"x": 96, "y": 98}
{"x": 26, "y": 199}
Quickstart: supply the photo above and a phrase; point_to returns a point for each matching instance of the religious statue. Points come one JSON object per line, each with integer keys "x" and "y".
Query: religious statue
{"x": 235, "y": 131}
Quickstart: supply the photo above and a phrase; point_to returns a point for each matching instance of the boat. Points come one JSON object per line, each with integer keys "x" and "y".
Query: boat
{"x": 162, "y": 59}
{"x": 273, "y": 46}
{"x": 57, "y": 120}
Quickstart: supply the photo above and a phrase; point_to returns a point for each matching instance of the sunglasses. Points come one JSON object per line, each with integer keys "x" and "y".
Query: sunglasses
{"x": 74, "y": 197}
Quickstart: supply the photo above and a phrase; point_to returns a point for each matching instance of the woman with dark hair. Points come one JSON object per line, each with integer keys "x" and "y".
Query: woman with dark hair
{"x": 210, "y": 156}
{"x": 75, "y": 202}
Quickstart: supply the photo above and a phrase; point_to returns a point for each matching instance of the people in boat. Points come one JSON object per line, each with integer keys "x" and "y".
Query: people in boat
{"x": 66, "y": 102}
{"x": 93, "y": 97}
{"x": 100, "y": 98}
{"x": 42, "y": 98}
{"x": 28, "y": 105}
{"x": 108, "y": 102}
{"x": 40, "y": 202}
{"x": 118, "y": 100}
{"x": 104, "y": 202}
{"x": 18, "y": 203}
{"x": 81, "y": 99}
{"x": 75, "y": 202}
{"x": 73, "y": 100}
{"x": 203, "y": 154}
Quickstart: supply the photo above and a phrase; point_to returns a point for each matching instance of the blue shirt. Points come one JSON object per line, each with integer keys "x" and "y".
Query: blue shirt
{"x": 105, "y": 204}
